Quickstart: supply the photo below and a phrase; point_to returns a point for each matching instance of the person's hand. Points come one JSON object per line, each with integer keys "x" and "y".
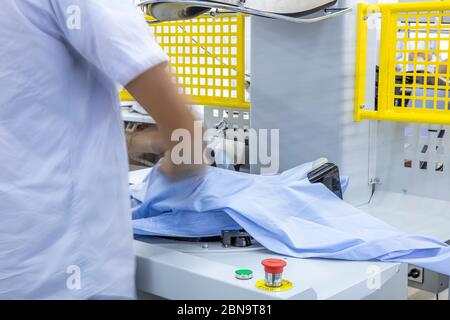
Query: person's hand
{"x": 159, "y": 96}
{"x": 168, "y": 168}
{"x": 148, "y": 140}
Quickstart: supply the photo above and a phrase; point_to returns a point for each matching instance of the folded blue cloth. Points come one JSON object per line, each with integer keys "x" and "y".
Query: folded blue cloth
{"x": 285, "y": 213}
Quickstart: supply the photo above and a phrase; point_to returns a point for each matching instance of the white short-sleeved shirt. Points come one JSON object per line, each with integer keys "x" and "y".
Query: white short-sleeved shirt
{"x": 65, "y": 229}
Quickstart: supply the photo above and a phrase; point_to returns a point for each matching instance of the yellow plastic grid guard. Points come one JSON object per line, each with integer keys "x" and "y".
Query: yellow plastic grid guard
{"x": 207, "y": 55}
{"x": 414, "y": 68}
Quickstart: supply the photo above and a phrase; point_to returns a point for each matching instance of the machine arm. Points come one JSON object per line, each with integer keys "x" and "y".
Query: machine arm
{"x": 288, "y": 10}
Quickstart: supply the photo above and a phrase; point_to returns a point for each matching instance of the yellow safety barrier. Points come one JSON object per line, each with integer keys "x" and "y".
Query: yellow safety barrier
{"x": 414, "y": 73}
{"x": 207, "y": 55}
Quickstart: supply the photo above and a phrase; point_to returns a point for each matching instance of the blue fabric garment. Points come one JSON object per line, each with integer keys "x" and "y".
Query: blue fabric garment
{"x": 61, "y": 137}
{"x": 285, "y": 213}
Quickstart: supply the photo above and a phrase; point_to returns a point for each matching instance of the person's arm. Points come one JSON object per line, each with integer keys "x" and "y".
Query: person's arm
{"x": 147, "y": 140}
{"x": 114, "y": 36}
{"x": 159, "y": 96}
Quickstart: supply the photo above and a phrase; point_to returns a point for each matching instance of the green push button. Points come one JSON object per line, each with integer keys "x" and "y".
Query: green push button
{"x": 244, "y": 274}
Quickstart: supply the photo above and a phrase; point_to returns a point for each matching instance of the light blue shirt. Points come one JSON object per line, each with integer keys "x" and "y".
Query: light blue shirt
{"x": 285, "y": 213}
{"x": 61, "y": 136}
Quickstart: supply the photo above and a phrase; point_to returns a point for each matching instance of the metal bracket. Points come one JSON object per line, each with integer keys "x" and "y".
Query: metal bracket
{"x": 327, "y": 13}
{"x": 236, "y": 238}
{"x": 131, "y": 126}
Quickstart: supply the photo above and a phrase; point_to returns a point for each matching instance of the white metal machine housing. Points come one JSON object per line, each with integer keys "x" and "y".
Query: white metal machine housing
{"x": 303, "y": 84}
{"x": 398, "y": 171}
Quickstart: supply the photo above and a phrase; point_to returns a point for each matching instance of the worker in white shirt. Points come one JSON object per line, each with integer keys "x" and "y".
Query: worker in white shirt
{"x": 65, "y": 222}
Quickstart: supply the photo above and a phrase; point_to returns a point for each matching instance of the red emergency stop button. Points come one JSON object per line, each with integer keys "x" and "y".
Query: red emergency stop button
{"x": 273, "y": 266}
{"x": 273, "y": 276}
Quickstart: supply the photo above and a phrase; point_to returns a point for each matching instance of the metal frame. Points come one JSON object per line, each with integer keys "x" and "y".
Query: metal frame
{"x": 386, "y": 110}
{"x": 223, "y": 67}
